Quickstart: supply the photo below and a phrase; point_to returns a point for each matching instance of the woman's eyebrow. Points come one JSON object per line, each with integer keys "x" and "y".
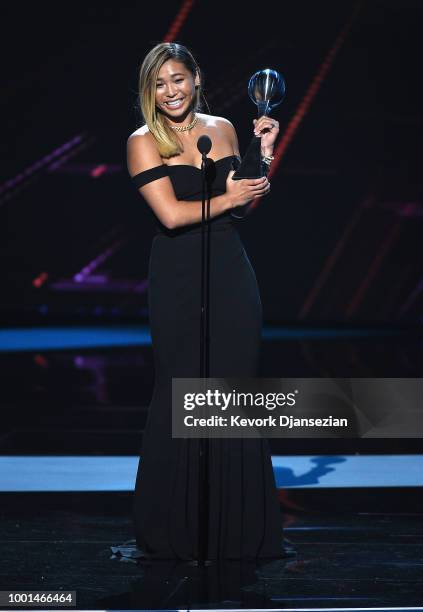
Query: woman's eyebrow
{"x": 172, "y": 75}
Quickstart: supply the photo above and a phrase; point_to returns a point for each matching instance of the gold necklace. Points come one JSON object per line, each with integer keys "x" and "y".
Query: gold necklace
{"x": 185, "y": 128}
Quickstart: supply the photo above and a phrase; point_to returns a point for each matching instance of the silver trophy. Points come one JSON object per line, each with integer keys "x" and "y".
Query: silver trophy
{"x": 267, "y": 89}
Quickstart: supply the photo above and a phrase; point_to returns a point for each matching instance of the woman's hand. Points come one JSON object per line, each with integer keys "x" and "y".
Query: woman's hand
{"x": 267, "y": 129}
{"x": 243, "y": 191}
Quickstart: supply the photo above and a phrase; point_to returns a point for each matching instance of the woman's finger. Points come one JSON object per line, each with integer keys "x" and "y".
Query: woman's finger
{"x": 259, "y": 181}
{"x": 258, "y": 187}
{"x": 260, "y": 191}
{"x": 266, "y": 123}
{"x": 269, "y": 125}
{"x": 267, "y": 120}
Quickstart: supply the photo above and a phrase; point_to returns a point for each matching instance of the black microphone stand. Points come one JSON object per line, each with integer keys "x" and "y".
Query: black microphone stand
{"x": 203, "y": 489}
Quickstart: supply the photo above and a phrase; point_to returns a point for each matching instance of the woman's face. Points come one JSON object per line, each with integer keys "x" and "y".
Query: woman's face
{"x": 175, "y": 89}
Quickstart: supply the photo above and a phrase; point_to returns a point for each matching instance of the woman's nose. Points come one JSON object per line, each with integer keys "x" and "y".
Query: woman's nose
{"x": 171, "y": 90}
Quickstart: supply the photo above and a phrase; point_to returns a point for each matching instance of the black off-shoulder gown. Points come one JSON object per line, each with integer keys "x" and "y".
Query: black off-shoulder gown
{"x": 244, "y": 515}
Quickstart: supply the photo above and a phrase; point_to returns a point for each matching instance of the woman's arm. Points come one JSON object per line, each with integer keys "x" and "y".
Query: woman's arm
{"x": 239, "y": 212}
{"x": 142, "y": 154}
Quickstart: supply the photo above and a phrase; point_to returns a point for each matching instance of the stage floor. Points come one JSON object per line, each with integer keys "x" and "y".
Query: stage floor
{"x": 56, "y": 541}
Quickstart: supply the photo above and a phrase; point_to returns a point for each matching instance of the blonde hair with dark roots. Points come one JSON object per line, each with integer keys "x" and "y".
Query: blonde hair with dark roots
{"x": 167, "y": 140}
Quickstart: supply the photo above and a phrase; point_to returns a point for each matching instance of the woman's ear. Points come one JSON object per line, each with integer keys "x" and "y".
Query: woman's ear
{"x": 197, "y": 80}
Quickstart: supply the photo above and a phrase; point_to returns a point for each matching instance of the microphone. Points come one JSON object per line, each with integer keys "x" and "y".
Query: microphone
{"x": 204, "y": 144}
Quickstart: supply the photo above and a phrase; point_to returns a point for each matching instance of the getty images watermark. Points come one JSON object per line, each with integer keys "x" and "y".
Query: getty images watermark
{"x": 214, "y": 398}
{"x": 300, "y": 407}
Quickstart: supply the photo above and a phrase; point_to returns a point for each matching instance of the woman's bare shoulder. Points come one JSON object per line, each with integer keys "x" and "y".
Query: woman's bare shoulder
{"x": 143, "y": 132}
{"x": 142, "y": 152}
{"x": 215, "y": 122}
{"x": 222, "y": 129}
{"x": 142, "y": 141}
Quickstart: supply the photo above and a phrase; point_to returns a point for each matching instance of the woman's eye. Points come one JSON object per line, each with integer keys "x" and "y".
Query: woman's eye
{"x": 179, "y": 80}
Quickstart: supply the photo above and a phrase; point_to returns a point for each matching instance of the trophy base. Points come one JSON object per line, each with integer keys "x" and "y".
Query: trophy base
{"x": 251, "y": 165}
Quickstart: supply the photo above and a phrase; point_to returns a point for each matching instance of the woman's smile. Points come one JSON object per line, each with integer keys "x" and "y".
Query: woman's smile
{"x": 175, "y": 103}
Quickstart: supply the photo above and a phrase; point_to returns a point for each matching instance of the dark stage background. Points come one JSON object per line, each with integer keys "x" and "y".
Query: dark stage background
{"x": 337, "y": 250}
{"x": 336, "y": 245}
{"x": 339, "y": 238}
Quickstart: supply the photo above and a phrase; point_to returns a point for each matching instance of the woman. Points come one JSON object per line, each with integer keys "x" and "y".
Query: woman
{"x": 164, "y": 163}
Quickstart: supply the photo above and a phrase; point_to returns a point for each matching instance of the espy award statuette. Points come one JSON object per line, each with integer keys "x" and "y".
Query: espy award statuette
{"x": 267, "y": 89}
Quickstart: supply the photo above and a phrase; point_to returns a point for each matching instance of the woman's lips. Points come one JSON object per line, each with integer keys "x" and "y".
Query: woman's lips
{"x": 174, "y": 103}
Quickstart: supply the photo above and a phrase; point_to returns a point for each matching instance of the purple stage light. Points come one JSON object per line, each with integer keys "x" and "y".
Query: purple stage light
{"x": 13, "y": 186}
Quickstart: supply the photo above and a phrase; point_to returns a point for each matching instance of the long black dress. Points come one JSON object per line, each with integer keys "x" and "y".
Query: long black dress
{"x": 244, "y": 516}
